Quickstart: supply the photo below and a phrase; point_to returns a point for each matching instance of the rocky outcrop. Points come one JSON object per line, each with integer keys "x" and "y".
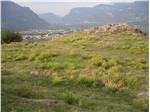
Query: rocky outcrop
{"x": 113, "y": 28}
{"x": 143, "y": 94}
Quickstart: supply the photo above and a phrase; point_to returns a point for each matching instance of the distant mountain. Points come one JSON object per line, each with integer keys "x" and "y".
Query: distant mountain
{"x": 51, "y": 18}
{"x": 135, "y": 14}
{"x": 22, "y": 18}
{"x": 18, "y": 18}
{"x": 118, "y": 12}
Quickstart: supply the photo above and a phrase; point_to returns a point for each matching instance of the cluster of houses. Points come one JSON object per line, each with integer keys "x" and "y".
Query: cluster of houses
{"x": 43, "y": 35}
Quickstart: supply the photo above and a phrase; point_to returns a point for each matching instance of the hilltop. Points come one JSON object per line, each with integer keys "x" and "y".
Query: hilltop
{"x": 78, "y": 72}
{"x": 112, "y": 28}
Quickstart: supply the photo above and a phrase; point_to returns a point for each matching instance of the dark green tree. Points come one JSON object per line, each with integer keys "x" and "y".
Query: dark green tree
{"x": 10, "y": 36}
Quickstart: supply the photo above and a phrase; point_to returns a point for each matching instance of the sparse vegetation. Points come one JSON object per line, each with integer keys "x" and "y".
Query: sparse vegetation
{"x": 91, "y": 73}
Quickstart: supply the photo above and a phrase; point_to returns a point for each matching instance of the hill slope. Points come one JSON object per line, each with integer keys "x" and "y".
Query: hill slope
{"x": 18, "y": 18}
{"x": 51, "y": 18}
{"x": 83, "y": 72}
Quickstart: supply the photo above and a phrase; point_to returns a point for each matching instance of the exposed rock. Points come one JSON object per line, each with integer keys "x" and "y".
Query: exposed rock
{"x": 34, "y": 72}
{"x": 46, "y": 101}
{"x": 143, "y": 94}
{"x": 113, "y": 28}
{"x": 37, "y": 101}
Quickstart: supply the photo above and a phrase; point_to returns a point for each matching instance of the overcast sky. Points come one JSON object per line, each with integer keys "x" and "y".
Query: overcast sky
{"x": 62, "y": 7}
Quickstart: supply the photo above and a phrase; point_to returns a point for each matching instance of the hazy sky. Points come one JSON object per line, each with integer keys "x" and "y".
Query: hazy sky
{"x": 62, "y": 7}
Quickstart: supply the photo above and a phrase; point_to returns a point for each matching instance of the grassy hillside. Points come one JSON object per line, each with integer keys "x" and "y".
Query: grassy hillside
{"x": 77, "y": 73}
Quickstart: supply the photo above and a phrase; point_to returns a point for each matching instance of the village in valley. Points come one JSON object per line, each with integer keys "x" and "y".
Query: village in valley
{"x": 44, "y": 35}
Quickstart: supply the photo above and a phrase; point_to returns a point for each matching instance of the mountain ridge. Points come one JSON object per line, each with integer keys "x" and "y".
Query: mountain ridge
{"x": 134, "y": 13}
{"x": 16, "y": 17}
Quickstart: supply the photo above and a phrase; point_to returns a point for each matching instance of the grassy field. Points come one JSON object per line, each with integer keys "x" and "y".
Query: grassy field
{"x": 77, "y": 73}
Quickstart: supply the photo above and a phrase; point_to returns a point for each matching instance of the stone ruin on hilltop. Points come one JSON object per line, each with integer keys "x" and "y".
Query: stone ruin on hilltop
{"x": 113, "y": 28}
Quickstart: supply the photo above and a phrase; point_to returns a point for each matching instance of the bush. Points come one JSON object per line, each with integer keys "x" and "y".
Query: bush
{"x": 10, "y": 36}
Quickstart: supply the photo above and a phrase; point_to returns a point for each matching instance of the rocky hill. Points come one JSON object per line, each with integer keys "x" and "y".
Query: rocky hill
{"x": 113, "y": 28}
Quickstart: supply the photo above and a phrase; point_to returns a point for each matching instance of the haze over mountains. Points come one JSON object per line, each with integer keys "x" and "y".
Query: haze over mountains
{"x": 135, "y": 13}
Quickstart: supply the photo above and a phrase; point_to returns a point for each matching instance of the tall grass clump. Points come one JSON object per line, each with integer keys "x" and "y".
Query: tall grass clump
{"x": 33, "y": 56}
{"x": 56, "y": 80}
{"x": 141, "y": 102}
{"x": 113, "y": 82}
{"x": 70, "y": 98}
{"x": 21, "y": 57}
{"x": 44, "y": 56}
{"x": 86, "y": 81}
{"x": 130, "y": 81}
{"x": 97, "y": 61}
{"x": 24, "y": 90}
{"x": 104, "y": 62}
